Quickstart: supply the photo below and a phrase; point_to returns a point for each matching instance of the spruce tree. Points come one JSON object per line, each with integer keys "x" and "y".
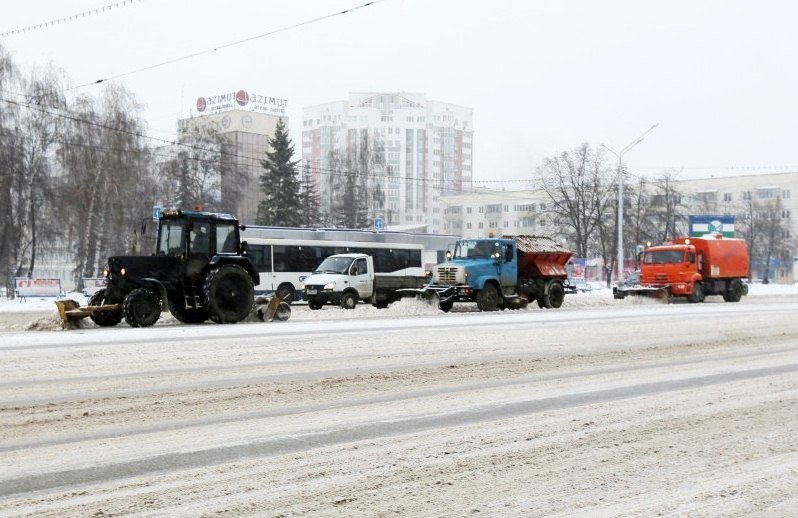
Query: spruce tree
{"x": 309, "y": 202}
{"x": 280, "y": 205}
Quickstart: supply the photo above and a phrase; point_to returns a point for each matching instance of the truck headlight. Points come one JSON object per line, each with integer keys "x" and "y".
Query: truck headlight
{"x": 329, "y": 286}
{"x": 122, "y": 271}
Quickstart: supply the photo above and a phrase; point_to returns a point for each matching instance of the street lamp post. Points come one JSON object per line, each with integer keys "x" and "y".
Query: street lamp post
{"x": 632, "y": 144}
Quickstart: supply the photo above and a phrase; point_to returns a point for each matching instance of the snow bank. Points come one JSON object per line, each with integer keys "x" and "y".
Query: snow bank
{"x": 44, "y": 317}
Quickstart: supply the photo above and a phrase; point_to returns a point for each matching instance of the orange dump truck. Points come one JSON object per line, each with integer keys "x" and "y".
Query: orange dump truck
{"x": 693, "y": 267}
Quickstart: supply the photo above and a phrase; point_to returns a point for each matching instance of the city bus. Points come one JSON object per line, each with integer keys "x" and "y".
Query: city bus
{"x": 286, "y": 256}
{"x": 284, "y": 264}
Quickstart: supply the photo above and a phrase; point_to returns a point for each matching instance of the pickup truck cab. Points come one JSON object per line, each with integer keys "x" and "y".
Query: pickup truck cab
{"x": 342, "y": 279}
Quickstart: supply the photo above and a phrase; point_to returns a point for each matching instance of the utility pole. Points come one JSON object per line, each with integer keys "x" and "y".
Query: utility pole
{"x": 632, "y": 144}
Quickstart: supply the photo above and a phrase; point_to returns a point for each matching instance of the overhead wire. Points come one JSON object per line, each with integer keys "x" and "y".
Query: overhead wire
{"x": 320, "y": 170}
{"x": 67, "y": 19}
{"x": 473, "y": 183}
{"x": 228, "y": 45}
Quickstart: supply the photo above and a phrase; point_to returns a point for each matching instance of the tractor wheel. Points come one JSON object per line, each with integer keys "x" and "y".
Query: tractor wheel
{"x": 488, "y": 298}
{"x": 697, "y": 295}
{"x": 229, "y": 294}
{"x": 141, "y": 308}
{"x": 445, "y": 306}
{"x": 188, "y": 315}
{"x": 349, "y": 300}
{"x": 734, "y": 291}
{"x": 105, "y": 318}
{"x": 554, "y": 295}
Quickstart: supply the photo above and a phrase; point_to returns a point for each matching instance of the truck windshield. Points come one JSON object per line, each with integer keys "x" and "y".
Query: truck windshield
{"x": 334, "y": 265}
{"x": 170, "y": 237}
{"x": 474, "y": 249}
{"x": 664, "y": 257}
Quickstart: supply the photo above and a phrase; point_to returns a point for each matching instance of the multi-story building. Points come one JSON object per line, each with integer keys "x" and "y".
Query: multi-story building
{"x": 245, "y": 121}
{"x": 500, "y": 213}
{"x": 425, "y": 150}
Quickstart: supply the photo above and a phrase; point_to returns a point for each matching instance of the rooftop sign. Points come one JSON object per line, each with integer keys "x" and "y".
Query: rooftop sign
{"x": 242, "y": 100}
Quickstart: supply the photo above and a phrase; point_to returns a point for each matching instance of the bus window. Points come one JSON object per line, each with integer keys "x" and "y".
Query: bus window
{"x": 261, "y": 257}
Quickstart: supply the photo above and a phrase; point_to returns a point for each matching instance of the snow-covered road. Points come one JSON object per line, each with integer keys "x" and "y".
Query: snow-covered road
{"x": 600, "y": 408}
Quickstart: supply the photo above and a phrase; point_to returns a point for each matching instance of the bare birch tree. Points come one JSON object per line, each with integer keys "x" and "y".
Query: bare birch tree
{"x": 578, "y": 183}
{"x": 40, "y": 130}
{"x": 10, "y": 159}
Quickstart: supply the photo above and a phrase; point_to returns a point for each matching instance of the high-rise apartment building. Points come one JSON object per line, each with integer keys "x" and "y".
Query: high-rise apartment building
{"x": 426, "y": 151}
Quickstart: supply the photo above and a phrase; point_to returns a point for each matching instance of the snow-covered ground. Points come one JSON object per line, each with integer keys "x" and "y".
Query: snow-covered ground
{"x": 598, "y": 296}
{"x": 603, "y": 408}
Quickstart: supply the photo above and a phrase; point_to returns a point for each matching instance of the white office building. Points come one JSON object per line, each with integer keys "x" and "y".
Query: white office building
{"x": 427, "y": 148}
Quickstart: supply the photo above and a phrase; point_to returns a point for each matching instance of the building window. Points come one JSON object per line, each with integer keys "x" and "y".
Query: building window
{"x": 707, "y": 196}
{"x": 468, "y": 210}
{"x": 482, "y": 210}
{"x": 727, "y": 196}
{"x": 506, "y": 208}
{"x": 785, "y": 194}
{"x": 468, "y": 226}
{"x": 767, "y": 193}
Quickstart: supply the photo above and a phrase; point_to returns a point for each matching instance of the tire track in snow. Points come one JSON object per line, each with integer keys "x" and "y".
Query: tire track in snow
{"x": 293, "y": 444}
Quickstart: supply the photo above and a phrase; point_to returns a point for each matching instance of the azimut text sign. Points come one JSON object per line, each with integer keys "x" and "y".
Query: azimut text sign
{"x": 242, "y": 99}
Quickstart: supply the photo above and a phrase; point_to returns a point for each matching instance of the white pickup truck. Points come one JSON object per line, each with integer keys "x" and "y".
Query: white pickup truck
{"x": 346, "y": 279}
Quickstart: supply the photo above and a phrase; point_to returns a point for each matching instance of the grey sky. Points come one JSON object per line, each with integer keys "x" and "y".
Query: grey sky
{"x": 720, "y": 77}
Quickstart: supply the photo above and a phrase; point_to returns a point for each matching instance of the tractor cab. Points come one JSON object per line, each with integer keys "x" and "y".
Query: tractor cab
{"x": 199, "y": 271}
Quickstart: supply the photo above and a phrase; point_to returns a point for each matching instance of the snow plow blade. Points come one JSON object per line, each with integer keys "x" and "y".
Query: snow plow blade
{"x": 272, "y": 308}
{"x": 655, "y": 292}
{"x": 70, "y": 311}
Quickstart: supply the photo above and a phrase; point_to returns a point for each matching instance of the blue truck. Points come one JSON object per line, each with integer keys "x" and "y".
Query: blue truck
{"x": 501, "y": 273}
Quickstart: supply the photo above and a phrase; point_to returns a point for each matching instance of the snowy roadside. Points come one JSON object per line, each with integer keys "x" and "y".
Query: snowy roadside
{"x": 40, "y": 313}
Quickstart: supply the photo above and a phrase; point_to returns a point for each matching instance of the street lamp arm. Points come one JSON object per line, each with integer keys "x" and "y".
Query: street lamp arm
{"x": 632, "y": 144}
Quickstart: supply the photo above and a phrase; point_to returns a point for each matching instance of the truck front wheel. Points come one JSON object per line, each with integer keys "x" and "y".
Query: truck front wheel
{"x": 348, "y": 300}
{"x": 697, "y": 294}
{"x": 488, "y": 298}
